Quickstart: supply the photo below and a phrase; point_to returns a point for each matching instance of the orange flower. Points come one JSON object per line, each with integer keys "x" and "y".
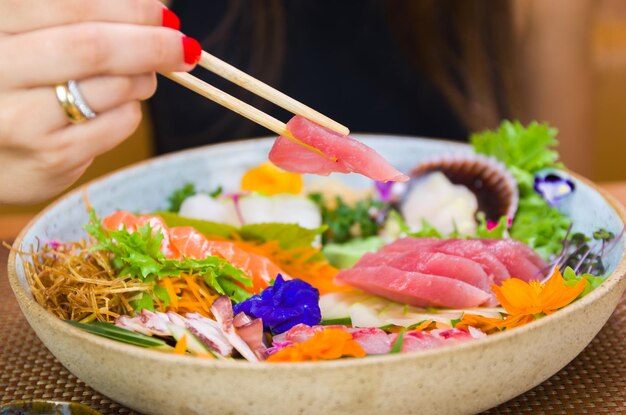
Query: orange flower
{"x": 327, "y": 344}
{"x": 526, "y": 301}
{"x": 492, "y": 325}
{"x": 270, "y": 180}
{"x": 522, "y": 298}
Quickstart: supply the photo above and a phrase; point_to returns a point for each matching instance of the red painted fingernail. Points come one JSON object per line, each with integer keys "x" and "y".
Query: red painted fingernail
{"x": 170, "y": 19}
{"x": 192, "y": 50}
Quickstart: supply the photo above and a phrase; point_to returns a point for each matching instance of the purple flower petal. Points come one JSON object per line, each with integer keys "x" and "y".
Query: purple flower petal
{"x": 553, "y": 188}
{"x": 53, "y": 244}
{"x": 384, "y": 190}
{"x": 284, "y": 305}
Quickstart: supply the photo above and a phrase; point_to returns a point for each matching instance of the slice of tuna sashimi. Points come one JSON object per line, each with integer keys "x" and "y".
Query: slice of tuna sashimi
{"x": 348, "y": 155}
{"x": 410, "y": 244}
{"x": 514, "y": 256}
{"x": 414, "y": 288}
{"x": 520, "y": 247}
{"x": 434, "y": 263}
{"x": 471, "y": 249}
{"x": 475, "y": 250}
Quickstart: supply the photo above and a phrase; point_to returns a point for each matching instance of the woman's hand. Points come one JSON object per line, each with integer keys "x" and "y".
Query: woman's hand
{"x": 112, "y": 48}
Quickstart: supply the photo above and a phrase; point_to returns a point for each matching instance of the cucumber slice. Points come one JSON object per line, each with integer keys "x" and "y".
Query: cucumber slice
{"x": 336, "y": 306}
{"x": 194, "y": 345}
{"x": 337, "y": 322}
{"x": 113, "y": 332}
{"x": 366, "y": 310}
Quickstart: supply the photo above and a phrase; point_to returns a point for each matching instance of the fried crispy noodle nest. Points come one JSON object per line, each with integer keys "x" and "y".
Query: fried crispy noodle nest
{"x": 76, "y": 283}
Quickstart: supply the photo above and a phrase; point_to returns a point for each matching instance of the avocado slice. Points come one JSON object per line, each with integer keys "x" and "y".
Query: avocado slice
{"x": 347, "y": 254}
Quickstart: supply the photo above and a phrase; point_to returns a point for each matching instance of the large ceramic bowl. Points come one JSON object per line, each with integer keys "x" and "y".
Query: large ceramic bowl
{"x": 460, "y": 379}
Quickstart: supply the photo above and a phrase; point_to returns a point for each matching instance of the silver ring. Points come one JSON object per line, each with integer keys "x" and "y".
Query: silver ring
{"x": 79, "y": 101}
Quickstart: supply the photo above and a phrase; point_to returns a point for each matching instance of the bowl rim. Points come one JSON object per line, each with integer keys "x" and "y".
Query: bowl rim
{"x": 25, "y": 299}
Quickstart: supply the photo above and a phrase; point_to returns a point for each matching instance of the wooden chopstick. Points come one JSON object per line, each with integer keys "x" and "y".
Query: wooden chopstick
{"x": 254, "y": 114}
{"x": 263, "y": 90}
{"x": 234, "y": 104}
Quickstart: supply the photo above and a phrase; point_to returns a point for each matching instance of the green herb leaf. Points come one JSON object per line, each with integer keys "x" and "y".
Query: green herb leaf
{"x": 346, "y": 222}
{"x": 144, "y": 302}
{"x": 217, "y": 192}
{"x": 162, "y": 294}
{"x": 177, "y": 198}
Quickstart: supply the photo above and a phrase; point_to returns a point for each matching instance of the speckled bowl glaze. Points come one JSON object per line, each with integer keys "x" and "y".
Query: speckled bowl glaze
{"x": 460, "y": 379}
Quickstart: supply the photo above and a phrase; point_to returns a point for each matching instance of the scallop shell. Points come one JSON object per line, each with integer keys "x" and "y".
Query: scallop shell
{"x": 491, "y": 182}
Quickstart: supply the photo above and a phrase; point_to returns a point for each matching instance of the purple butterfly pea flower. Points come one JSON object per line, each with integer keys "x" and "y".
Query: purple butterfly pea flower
{"x": 553, "y": 188}
{"x": 284, "y": 305}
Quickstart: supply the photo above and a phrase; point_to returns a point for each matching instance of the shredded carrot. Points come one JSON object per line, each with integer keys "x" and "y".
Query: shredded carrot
{"x": 298, "y": 263}
{"x": 181, "y": 345}
{"x": 189, "y": 294}
{"x": 171, "y": 292}
{"x": 423, "y": 325}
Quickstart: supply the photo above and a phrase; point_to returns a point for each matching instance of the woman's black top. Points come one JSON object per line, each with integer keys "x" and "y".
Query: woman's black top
{"x": 340, "y": 57}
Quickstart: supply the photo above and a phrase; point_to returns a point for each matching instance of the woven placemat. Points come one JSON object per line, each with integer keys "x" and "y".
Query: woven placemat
{"x": 594, "y": 383}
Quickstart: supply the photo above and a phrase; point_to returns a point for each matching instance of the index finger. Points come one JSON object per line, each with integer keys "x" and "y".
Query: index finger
{"x": 50, "y": 56}
{"x": 17, "y": 16}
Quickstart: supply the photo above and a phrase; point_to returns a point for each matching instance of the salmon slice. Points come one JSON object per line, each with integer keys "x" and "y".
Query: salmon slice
{"x": 120, "y": 220}
{"x": 414, "y": 288}
{"x": 190, "y": 243}
{"x": 185, "y": 241}
{"x": 344, "y": 154}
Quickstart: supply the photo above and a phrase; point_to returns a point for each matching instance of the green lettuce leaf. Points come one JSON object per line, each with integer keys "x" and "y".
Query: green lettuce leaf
{"x": 205, "y": 227}
{"x": 138, "y": 254}
{"x": 288, "y": 235}
{"x": 572, "y": 279}
{"x": 427, "y": 231}
{"x": 145, "y": 302}
{"x": 497, "y": 232}
{"x": 525, "y": 151}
